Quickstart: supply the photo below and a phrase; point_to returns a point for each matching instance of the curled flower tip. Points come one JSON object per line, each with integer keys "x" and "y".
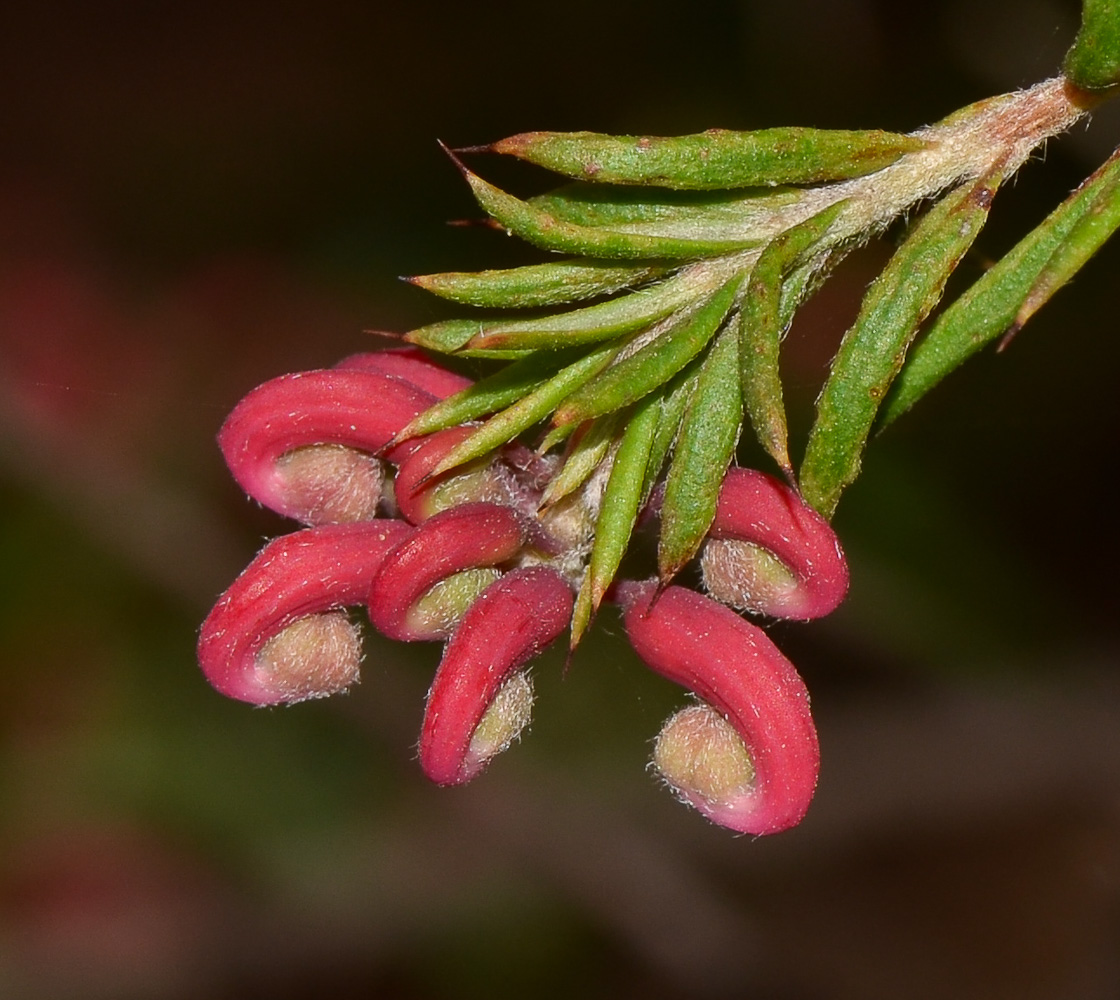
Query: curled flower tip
{"x": 419, "y": 497}
{"x": 277, "y": 635}
{"x": 705, "y": 761}
{"x": 412, "y": 365}
{"x": 303, "y": 444}
{"x": 480, "y": 699}
{"x": 735, "y": 669}
{"x": 446, "y": 551}
{"x": 768, "y": 551}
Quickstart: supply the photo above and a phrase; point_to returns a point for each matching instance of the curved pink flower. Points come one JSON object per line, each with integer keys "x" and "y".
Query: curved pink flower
{"x": 274, "y": 439}
{"x": 732, "y": 666}
{"x": 466, "y": 721}
{"x": 412, "y": 365}
{"x": 456, "y": 541}
{"x": 276, "y": 635}
{"x": 769, "y": 551}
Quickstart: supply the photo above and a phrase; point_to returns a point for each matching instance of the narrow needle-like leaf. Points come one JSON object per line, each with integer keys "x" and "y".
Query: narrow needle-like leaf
{"x": 873, "y": 350}
{"x": 706, "y": 442}
{"x": 1009, "y": 292}
{"x": 761, "y": 328}
{"x": 618, "y": 511}
{"x": 652, "y": 365}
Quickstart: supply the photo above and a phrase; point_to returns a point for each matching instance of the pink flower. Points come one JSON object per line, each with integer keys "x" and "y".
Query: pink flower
{"x": 304, "y": 444}
{"x": 277, "y": 634}
{"x": 478, "y": 701}
{"x": 768, "y": 551}
{"x": 733, "y": 667}
{"x": 450, "y": 544}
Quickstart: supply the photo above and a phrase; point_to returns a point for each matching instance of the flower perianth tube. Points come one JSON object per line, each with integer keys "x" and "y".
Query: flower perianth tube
{"x": 276, "y": 635}
{"x": 412, "y": 366}
{"x": 768, "y": 551}
{"x": 451, "y": 546}
{"x": 732, "y": 666}
{"x": 304, "y": 444}
{"x": 467, "y": 721}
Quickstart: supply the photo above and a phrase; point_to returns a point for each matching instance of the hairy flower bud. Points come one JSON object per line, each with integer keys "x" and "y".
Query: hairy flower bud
{"x": 479, "y": 701}
{"x": 769, "y": 552}
{"x": 276, "y": 635}
{"x": 418, "y": 497}
{"x": 460, "y": 539}
{"x": 732, "y": 666}
{"x": 265, "y": 440}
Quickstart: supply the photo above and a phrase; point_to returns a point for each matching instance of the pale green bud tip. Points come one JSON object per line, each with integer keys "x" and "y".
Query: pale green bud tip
{"x": 331, "y": 483}
{"x": 750, "y": 577}
{"x": 314, "y": 657}
{"x": 701, "y": 755}
{"x": 440, "y": 609}
{"x": 501, "y": 723}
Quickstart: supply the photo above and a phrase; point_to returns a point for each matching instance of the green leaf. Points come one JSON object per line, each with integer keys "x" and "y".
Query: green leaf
{"x": 705, "y": 444}
{"x": 653, "y": 364}
{"x": 682, "y": 214}
{"x": 618, "y": 511}
{"x": 1009, "y": 293}
{"x": 873, "y": 350}
{"x": 762, "y": 325}
{"x": 593, "y": 323}
{"x": 1094, "y": 60}
{"x": 537, "y": 284}
{"x": 583, "y": 459}
{"x": 550, "y": 233}
{"x": 714, "y": 159}
{"x": 675, "y": 397}
{"x": 538, "y": 404}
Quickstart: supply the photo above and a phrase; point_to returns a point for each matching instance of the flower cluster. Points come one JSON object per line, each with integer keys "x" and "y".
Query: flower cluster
{"x": 489, "y": 556}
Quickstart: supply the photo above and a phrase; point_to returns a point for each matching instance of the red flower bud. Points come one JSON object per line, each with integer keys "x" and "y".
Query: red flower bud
{"x": 417, "y": 499}
{"x": 275, "y": 635}
{"x": 769, "y": 551}
{"x": 454, "y": 541}
{"x": 271, "y": 441}
{"x": 478, "y": 703}
{"x": 732, "y": 665}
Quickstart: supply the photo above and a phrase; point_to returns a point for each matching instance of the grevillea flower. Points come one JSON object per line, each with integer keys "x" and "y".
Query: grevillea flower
{"x": 305, "y": 444}
{"x": 478, "y": 702}
{"x": 735, "y": 669}
{"x": 481, "y": 560}
{"x": 277, "y": 635}
{"x": 768, "y": 551}
{"x": 447, "y": 548}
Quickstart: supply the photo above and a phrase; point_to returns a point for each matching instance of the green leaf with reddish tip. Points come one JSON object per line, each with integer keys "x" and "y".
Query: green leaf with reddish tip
{"x": 714, "y": 159}
{"x": 653, "y": 364}
{"x": 873, "y": 350}
{"x": 681, "y": 214}
{"x": 705, "y": 445}
{"x": 598, "y": 322}
{"x": 583, "y": 459}
{"x": 503, "y": 427}
{"x": 490, "y": 394}
{"x": 546, "y": 231}
{"x": 536, "y": 285}
{"x": 618, "y": 511}
{"x": 1009, "y": 292}
{"x": 1094, "y": 60}
{"x": 761, "y": 328}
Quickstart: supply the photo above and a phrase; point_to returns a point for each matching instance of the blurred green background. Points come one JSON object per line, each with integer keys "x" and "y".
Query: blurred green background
{"x": 196, "y": 197}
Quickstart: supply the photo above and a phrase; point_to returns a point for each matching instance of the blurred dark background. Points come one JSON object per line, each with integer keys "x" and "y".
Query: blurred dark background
{"x": 196, "y": 197}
